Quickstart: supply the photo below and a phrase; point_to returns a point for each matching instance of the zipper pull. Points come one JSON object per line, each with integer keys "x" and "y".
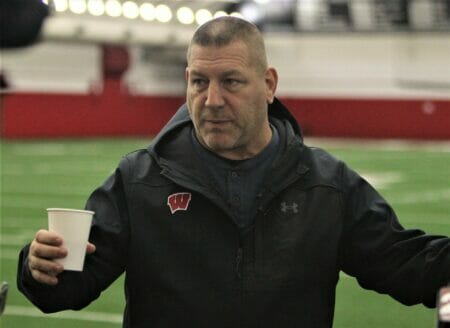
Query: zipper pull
{"x": 238, "y": 262}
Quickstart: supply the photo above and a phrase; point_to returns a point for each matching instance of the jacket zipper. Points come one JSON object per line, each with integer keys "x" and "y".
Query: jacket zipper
{"x": 238, "y": 268}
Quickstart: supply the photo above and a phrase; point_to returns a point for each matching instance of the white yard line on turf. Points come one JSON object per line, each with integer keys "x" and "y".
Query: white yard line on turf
{"x": 16, "y": 239}
{"x": 381, "y": 144}
{"x": 61, "y": 168}
{"x": 40, "y": 149}
{"x": 24, "y": 311}
{"x": 56, "y": 191}
{"x": 8, "y": 222}
{"x": 423, "y": 197}
{"x": 10, "y": 254}
{"x": 382, "y": 180}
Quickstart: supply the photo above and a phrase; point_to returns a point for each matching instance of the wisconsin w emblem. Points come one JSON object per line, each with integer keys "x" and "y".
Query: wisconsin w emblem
{"x": 179, "y": 201}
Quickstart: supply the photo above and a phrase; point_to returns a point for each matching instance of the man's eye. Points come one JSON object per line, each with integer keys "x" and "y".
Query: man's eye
{"x": 232, "y": 83}
{"x": 199, "y": 82}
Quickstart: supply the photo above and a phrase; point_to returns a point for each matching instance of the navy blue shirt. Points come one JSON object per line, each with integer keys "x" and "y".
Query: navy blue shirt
{"x": 238, "y": 181}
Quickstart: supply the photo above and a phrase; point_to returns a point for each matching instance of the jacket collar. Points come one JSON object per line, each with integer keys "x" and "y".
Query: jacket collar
{"x": 174, "y": 141}
{"x": 181, "y": 118}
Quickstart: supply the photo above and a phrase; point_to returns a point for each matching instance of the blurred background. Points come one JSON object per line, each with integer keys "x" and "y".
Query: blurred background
{"x": 85, "y": 81}
{"x": 348, "y": 68}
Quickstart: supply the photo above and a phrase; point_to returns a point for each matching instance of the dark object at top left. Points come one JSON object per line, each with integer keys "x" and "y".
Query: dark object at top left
{"x": 21, "y": 22}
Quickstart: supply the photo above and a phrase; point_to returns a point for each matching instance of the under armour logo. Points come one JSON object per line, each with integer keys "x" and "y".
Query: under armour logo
{"x": 179, "y": 201}
{"x": 285, "y": 207}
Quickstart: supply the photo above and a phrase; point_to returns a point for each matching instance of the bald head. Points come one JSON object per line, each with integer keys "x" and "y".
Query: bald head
{"x": 225, "y": 30}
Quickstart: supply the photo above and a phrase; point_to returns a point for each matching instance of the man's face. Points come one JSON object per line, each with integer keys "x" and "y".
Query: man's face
{"x": 227, "y": 97}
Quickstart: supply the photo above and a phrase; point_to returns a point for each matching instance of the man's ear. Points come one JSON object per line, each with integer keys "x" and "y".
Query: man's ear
{"x": 186, "y": 74}
{"x": 271, "y": 79}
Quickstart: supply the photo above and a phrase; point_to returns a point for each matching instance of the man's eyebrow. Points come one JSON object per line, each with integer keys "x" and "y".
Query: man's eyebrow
{"x": 230, "y": 72}
{"x": 194, "y": 72}
{"x": 225, "y": 73}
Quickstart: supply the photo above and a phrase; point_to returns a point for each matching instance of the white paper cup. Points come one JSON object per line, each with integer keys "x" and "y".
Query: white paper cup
{"x": 73, "y": 226}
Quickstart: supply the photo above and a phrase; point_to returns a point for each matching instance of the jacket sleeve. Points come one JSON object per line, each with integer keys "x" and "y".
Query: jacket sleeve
{"x": 409, "y": 265}
{"x": 110, "y": 234}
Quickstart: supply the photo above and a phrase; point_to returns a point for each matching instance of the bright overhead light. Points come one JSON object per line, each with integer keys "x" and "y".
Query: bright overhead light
{"x": 45, "y": 2}
{"x": 147, "y": 11}
{"x": 130, "y": 9}
{"x": 77, "y": 6}
{"x": 96, "y": 7}
{"x": 185, "y": 15}
{"x": 236, "y": 14}
{"x": 113, "y": 8}
{"x": 220, "y": 13}
{"x": 163, "y": 13}
{"x": 252, "y": 12}
{"x": 60, "y": 5}
{"x": 309, "y": 8}
{"x": 202, "y": 16}
{"x": 261, "y": 1}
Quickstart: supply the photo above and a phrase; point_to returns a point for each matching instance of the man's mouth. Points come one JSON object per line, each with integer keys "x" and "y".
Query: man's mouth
{"x": 217, "y": 122}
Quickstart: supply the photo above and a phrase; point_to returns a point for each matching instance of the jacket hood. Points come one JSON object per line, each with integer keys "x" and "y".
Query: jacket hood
{"x": 181, "y": 118}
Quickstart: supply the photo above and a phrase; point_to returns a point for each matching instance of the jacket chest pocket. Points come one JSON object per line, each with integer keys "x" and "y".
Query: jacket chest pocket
{"x": 298, "y": 240}
{"x": 186, "y": 248}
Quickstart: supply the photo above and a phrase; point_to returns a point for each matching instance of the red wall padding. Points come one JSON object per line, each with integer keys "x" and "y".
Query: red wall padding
{"x": 117, "y": 113}
{"x": 112, "y": 113}
{"x": 373, "y": 118}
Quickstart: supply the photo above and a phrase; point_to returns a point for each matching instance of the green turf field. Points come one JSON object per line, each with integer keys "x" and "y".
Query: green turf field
{"x": 36, "y": 175}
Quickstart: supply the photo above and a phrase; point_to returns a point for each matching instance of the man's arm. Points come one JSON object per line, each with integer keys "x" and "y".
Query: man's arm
{"x": 409, "y": 265}
{"x": 51, "y": 289}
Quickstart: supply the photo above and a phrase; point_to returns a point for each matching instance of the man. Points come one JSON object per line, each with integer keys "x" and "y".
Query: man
{"x": 229, "y": 220}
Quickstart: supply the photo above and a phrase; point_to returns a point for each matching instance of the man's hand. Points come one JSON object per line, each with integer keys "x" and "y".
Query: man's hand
{"x": 46, "y": 247}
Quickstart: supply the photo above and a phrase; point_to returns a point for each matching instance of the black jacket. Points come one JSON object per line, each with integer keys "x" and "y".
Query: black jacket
{"x": 187, "y": 264}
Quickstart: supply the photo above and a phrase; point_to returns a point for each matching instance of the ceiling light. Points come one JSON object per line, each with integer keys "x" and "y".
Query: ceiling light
{"x": 185, "y": 15}
{"x": 163, "y": 13}
{"x": 147, "y": 11}
{"x": 113, "y": 8}
{"x": 96, "y": 7}
{"x": 130, "y": 9}
{"x": 220, "y": 13}
{"x": 252, "y": 12}
{"x": 60, "y": 5}
{"x": 202, "y": 16}
{"x": 236, "y": 14}
{"x": 309, "y": 8}
{"x": 77, "y": 6}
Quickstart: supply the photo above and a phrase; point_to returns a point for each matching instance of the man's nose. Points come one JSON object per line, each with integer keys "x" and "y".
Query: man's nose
{"x": 214, "y": 96}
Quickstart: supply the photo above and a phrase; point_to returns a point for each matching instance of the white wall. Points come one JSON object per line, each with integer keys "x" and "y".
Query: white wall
{"x": 380, "y": 65}
{"x": 156, "y": 71}
{"x": 53, "y": 66}
{"x": 351, "y": 65}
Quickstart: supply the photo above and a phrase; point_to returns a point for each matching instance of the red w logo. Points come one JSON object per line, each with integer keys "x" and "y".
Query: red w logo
{"x": 179, "y": 201}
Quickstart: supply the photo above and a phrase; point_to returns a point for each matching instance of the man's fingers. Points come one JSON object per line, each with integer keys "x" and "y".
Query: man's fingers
{"x": 44, "y": 270}
{"x": 47, "y": 252}
{"x": 44, "y": 278}
{"x": 48, "y": 238}
{"x": 90, "y": 248}
{"x": 46, "y": 266}
{"x": 46, "y": 247}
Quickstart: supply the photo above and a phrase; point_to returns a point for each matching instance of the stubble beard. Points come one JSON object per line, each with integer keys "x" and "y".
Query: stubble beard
{"x": 218, "y": 140}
